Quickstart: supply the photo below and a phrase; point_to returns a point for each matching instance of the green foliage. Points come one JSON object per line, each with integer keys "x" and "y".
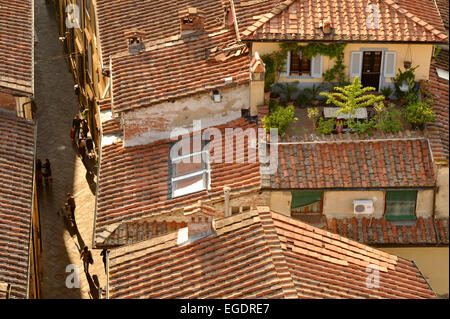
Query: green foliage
{"x": 326, "y": 126}
{"x": 336, "y": 74}
{"x": 274, "y": 64}
{"x": 303, "y": 99}
{"x": 412, "y": 97}
{"x": 361, "y": 127}
{"x": 313, "y": 113}
{"x": 419, "y": 113}
{"x": 388, "y": 119}
{"x": 314, "y": 91}
{"x": 352, "y": 97}
{"x": 408, "y": 77}
{"x": 281, "y": 119}
{"x": 273, "y": 105}
{"x": 437, "y": 50}
{"x": 332, "y": 50}
{"x": 386, "y": 91}
{"x": 287, "y": 90}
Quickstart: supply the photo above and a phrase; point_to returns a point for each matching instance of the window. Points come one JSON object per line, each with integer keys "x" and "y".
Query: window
{"x": 308, "y": 202}
{"x": 400, "y": 205}
{"x": 299, "y": 65}
{"x": 190, "y": 172}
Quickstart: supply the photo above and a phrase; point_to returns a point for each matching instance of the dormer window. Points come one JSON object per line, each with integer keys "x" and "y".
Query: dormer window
{"x": 190, "y": 172}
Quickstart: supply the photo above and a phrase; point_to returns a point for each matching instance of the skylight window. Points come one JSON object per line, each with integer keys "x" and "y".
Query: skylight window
{"x": 190, "y": 172}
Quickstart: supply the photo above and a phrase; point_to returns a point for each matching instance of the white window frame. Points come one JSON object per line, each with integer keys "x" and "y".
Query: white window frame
{"x": 206, "y": 172}
{"x": 288, "y": 70}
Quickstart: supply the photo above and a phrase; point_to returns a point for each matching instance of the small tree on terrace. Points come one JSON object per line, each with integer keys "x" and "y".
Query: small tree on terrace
{"x": 352, "y": 97}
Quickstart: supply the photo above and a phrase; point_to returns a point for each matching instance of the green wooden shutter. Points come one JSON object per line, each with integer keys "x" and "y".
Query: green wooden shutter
{"x": 400, "y": 205}
{"x": 300, "y": 199}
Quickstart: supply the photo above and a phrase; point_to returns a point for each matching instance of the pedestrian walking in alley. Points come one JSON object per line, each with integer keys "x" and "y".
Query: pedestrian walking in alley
{"x": 47, "y": 171}
{"x": 39, "y": 172}
{"x": 103, "y": 254}
{"x": 86, "y": 256}
{"x": 82, "y": 148}
{"x": 85, "y": 128}
{"x": 90, "y": 147}
{"x": 76, "y": 123}
{"x": 72, "y": 206}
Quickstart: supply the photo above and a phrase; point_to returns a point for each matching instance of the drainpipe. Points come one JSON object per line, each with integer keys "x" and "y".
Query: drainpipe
{"x": 226, "y": 191}
{"x": 236, "y": 28}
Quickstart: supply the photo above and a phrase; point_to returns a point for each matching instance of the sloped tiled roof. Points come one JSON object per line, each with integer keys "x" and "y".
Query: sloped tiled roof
{"x": 426, "y": 10}
{"x": 16, "y": 195}
{"x": 439, "y": 90}
{"x": 443, "y": 10}
{"x": 177, "y": 69}
{"x": 303, "y": 19}
{"x": 159, "y": 19}
{"x": 260, "y": 254}
{"x": 356, "y": 162}
{"x": 134, "y": 181}
{"x": 373, "y": 231}
{"x": 16, "y": 46}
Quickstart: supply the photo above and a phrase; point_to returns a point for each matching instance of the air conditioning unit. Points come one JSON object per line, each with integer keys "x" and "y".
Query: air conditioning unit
{"x": 363, "y": 207}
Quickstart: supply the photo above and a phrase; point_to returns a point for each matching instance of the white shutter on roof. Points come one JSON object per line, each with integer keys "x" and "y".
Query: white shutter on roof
{"x": 390, "y": 59}
{"x": 316, "y": 66}
{"x": 356, "y": 64}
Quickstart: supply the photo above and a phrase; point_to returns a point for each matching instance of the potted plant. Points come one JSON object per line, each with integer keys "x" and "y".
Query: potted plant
{"x": 281, "y": 119}
{"x": 314, "y": 93}
{"x": 419, "y": 114}
{"x": 287, "y": 91}
{"x": 313, "y": 114}
{"x": 386, "y": 91}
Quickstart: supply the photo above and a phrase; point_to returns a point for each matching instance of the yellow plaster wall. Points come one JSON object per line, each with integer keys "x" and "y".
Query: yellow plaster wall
{"x": 280, "y": 202}
{"x": 424, "y": 204}
{"x": 432, "y": 262}
{"x": 421, "y": 55}
{"x": 442, "y": 200}
{"x": 339, "y": 204}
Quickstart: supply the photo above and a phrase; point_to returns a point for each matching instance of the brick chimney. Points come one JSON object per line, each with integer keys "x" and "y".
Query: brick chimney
{"x": 199, "y": 220}
{"x": 192, "y": 21}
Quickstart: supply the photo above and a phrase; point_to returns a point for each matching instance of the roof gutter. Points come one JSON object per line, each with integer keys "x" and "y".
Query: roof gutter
{"x": 346, "y": 41}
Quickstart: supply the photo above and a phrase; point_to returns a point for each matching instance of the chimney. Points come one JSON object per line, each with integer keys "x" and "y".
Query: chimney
{"x": 199, "y": 220}
{"x": 192, "y": 22}
{"x": 227, "y": 207}
{"x": 327, "y": 26}
{"x": 135, "y": 40}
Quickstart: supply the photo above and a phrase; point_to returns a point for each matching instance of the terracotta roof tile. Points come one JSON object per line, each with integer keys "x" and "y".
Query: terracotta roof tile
{"x": 260, "y": 254}
{"x": 367, "y": 163}
{"x": 381, "y": 232}
{"x": 16, "y": 180}
{"x": 134, "y": 181}
{"x": 16, "y": 45}
{"x": 302, "y": 20}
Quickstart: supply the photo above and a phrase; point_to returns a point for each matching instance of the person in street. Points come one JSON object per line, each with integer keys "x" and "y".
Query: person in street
{"x": 47, "y": 171}
{"x": 86, "y": 256}
{"x": 82, "y": 148}
{"x": 103, "y": 254}
{"x": 39, "y": 172}
{"x": 90, "y": 147}
{"x": 72, "y": 206}
{"x": 76, "y": 123}
{"x": 85, "y": 128}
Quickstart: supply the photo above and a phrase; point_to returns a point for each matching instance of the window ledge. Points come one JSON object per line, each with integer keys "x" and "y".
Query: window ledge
{"x": 285, "y": 75}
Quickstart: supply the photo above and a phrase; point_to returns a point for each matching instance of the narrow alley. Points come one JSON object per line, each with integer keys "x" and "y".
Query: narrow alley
{"x": 56, "y": 106}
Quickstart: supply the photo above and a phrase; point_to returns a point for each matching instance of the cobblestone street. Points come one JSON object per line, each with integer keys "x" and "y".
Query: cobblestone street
{"x": 56, "y": 106}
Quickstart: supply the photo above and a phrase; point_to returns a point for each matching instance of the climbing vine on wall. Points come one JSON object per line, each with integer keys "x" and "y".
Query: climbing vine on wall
{"x": 276, "y": 61}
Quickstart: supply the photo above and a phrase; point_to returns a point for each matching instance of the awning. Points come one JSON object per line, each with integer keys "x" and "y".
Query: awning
{"x": 300, "y": 199}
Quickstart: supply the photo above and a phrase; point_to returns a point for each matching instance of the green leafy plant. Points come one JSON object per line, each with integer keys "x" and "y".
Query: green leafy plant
{"x": 313, "y": 113}
{"x": 273, "y": 106}
{"x": 437, "y": 50}
{"x": 412, "y": 97}
{"x": 386, "y": 91}
{"x": 314, "y": 91}
{"x": 336, "y": 74}
{"x": 419, "y": 113}
{"x": 361, "y": 127}
{"x": 303, "y": 99}
{"x": 388, "y": 119}
{"x": 269, "y": 63}
{"x": 352, "y": 97}
{"x": 407, "y": 77}
{"x": 287, "y": 90}
{"x": 281, "y": 119}
{"x": 326, "y": 126}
